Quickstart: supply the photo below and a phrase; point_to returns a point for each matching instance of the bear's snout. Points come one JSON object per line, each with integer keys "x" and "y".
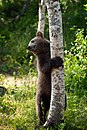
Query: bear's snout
{"x": 29, "y": 48}
{"x": 32, "y": 48}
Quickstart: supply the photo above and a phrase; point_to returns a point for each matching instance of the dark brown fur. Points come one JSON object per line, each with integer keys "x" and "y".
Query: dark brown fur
{"x": 3, "y": 90}
{"x": 41, "y": 48}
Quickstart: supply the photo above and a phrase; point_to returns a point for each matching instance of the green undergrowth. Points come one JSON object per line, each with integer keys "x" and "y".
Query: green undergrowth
{"x": 17, "y": 106}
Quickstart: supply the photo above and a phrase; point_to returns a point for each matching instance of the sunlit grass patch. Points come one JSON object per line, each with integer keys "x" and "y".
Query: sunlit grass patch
{"x": 17, "y": 106}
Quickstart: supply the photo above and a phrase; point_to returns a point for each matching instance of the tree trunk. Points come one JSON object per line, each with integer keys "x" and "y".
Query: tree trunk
{"x": 57, "y": 104}
{"x": 41, "y": 23}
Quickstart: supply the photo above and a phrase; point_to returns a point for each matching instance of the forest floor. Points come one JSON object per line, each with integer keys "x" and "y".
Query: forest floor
{"x": 10, "y": 80}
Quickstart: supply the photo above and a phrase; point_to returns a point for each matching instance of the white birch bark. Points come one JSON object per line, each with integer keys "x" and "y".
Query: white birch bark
{"x": 41, "y": 23}
{"x": 57, "y": 104}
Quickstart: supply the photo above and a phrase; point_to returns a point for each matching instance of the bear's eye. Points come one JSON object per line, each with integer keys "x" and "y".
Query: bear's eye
{"x": 32, "y": 41}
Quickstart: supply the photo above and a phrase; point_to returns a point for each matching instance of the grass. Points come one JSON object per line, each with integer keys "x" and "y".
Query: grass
{"x": 17, "y": 107}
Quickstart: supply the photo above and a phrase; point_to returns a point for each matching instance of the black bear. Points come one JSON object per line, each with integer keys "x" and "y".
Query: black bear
{"x": 41, "y": 48}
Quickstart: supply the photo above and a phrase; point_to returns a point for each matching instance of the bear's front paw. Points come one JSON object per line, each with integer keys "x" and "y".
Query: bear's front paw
{"x": 56, "y": 62}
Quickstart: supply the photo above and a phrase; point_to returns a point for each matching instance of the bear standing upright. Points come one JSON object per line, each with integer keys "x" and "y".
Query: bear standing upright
{"x": 40, "y": 47}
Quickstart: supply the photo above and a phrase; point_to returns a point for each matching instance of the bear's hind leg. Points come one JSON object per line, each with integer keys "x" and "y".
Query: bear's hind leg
{"x": 39, "y": 109}
{"x": 46, "y": 105}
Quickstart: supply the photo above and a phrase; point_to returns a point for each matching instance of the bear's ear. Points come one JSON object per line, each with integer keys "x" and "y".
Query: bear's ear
{"x": 39, "y": 34}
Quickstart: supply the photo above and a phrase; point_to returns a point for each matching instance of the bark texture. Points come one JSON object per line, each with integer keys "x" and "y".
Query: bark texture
{"x": 41, "y": 23}
{"x": 57, "y": 103}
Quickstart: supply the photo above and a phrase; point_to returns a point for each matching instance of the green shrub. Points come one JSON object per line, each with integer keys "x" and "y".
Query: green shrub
{"x": 76, "y": 84}
{"x": 75, "y": 65}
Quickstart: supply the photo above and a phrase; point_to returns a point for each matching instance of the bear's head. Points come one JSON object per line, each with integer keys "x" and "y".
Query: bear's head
{"x": 38, "y": 44}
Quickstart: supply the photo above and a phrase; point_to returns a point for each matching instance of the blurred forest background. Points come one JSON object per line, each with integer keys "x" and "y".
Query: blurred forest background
{"x": 18, "y": 24}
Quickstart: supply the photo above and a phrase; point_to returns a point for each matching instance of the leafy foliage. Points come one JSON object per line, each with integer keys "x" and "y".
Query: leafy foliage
{"x": 15, "y": 32}
{"x": 76, "y": 60}
{"x": 76, "y": 83}
{"x": 74, "y": 17}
